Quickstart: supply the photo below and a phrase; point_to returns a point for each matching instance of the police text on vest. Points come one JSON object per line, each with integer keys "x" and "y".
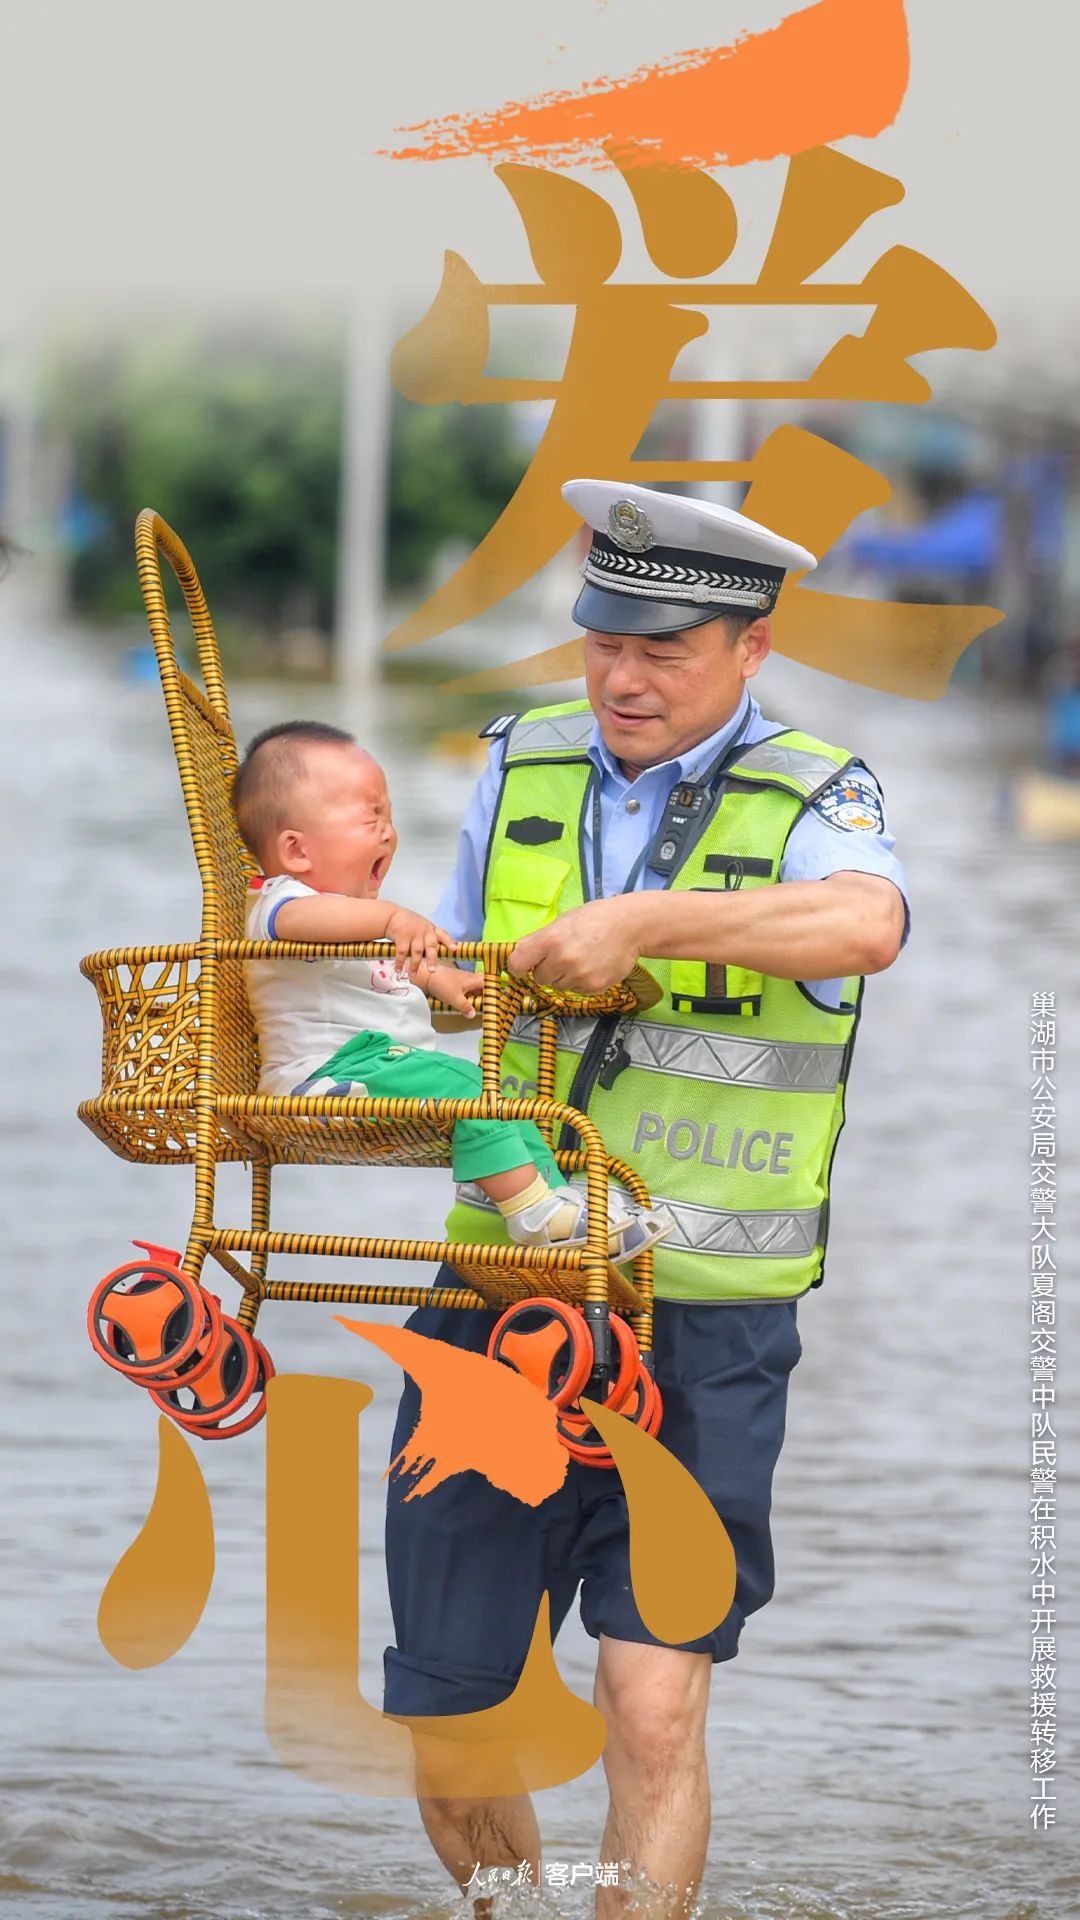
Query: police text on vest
{"x": 756, "y": 1152}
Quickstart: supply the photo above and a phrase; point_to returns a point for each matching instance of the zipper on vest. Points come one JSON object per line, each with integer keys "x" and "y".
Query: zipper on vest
{"x": 586, "y": 1075}
{"x": 599, "y": 1060}
{"x": 605, "y": 1053}
{"x": 615, "y": 1057}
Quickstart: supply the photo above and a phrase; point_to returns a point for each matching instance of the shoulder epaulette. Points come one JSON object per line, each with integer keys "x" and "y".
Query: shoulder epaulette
{"x": 496, "y": 728}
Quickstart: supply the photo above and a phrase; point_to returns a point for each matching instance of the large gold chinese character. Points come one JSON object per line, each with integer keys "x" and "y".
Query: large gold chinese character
{"x": 681, "y": 1561}
{"x": 624, "y": 344}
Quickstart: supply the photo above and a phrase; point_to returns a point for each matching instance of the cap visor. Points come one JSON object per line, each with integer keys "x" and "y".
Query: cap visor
{"x": 602, "y": 612}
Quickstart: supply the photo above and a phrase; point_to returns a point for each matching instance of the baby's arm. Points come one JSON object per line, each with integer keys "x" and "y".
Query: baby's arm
{"x": 456, "y": 986}
{"x": 335, "y": 917}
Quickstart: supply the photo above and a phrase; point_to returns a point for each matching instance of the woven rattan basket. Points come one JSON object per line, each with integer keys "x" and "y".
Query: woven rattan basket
{"x": 180, "y": 1064}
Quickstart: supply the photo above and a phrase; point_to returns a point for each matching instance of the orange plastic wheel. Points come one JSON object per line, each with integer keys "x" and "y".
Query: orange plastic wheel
{"x": 642, "y": 1407}
{"x": 654, "y": 1410}
{"x": 547, "y": 1342}
{"x": 581, "y": 1440}
{"x": 629, "y": 1356}
{"x": 223, "y": 1428}
{"x": 222, "y": 1388}
{"x": 146, "y": 1318}
{"x": 201, "y": 1361}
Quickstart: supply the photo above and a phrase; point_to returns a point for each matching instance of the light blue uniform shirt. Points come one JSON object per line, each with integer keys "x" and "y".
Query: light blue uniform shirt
{"x": 630, "y": 814}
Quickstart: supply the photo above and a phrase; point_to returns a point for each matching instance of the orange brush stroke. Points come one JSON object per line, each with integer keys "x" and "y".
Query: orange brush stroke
{"x": 464, "y": 1398}
{"x": 835, "y": 69}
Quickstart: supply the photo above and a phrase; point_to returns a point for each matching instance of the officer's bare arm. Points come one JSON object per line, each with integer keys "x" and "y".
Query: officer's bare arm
{"x": 799, "y": 930}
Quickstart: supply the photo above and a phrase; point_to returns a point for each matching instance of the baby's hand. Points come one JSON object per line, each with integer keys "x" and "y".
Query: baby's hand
{"x": 455, "y": 986}
{"x": 416, "y": 940}
{"x": 460, "y": 989}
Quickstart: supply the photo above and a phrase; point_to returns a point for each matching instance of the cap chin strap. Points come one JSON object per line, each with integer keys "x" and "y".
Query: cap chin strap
{"x": 744, "y": 597}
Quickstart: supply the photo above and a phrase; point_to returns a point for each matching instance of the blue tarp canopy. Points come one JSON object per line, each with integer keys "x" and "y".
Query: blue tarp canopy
{"x": 963, "y": 538}
{"x": 967, "y": 536}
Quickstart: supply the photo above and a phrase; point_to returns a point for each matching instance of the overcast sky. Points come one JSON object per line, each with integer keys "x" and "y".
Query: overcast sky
{"x": 226, "y": 151}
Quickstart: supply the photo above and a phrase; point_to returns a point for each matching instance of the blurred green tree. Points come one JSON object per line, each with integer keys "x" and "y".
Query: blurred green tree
{"x": 235, "y": 436}
{"x": 452, "y": 471}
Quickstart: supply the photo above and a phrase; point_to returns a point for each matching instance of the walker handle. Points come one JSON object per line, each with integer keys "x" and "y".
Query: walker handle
{"x": 159, "y": 1256}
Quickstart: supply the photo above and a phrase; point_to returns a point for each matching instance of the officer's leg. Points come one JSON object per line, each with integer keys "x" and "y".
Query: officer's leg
{"x": 724, "y": 1373}
{"x": 489, "y": 1833}
{"x": 654, "y": 1700}
{"x": 467, "y": 1565}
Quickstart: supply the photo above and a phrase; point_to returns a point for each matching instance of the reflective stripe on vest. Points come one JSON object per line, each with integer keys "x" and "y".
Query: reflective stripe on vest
{"x": 729, "y": 1097}
{"x": 708, "y": 1230}
{"x": 697, "y": 1053}
{"x": 807, "y": 771}
{"x": 554, "y": 730}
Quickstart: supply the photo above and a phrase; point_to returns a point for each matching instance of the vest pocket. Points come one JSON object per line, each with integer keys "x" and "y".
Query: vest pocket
{"x": 523, "y": 893}
{"x": 697, "y": 986}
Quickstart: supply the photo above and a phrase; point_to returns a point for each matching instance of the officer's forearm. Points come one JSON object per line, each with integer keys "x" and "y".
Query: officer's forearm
{"x": 799, "y": 930}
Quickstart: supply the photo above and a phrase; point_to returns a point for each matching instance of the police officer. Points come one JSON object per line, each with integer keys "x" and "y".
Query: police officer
{"x": 749, "y": 867}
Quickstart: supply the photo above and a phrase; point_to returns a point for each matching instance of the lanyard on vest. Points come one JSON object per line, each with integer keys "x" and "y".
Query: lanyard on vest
{"x": 688, "y": 803}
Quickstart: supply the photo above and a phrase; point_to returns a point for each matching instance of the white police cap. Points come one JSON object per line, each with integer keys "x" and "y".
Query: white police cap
{"x": 660, "y": 562}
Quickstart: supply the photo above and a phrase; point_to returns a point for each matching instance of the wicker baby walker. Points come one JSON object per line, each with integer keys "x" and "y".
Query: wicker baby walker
{"x": 180, "y": 1070}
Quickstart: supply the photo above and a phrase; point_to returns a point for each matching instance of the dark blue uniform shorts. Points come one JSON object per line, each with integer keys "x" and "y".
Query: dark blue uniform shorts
{"x": 467, "y": 1564}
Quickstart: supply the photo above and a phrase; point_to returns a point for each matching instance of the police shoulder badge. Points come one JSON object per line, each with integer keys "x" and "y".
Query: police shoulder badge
{"x": 496, "y": 728}
{"x": 853, "y": 804}
{"x": 629, "y": 527}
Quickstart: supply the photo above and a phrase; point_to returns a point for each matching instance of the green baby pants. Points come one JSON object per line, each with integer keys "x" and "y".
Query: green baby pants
{"x": 478, "y": 1147}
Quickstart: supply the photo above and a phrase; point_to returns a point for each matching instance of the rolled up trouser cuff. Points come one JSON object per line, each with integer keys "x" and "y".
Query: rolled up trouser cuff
{"x": 482, "y": 1147}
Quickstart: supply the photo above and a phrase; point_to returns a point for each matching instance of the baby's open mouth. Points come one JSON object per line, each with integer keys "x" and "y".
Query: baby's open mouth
{"x": 379, "y": 869}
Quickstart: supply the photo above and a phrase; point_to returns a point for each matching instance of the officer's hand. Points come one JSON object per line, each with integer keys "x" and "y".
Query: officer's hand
{"x": 585, "y": 950}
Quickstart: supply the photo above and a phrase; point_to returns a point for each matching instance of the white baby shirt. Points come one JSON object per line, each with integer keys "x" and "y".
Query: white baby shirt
{"x": 305, "y": 1010}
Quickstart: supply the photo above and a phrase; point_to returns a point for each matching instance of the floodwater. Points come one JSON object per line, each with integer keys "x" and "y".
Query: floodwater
{"x": 868, "y": 1748}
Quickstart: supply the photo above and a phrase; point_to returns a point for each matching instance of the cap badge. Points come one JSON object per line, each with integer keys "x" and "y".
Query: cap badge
{"x": 629, "y": 527}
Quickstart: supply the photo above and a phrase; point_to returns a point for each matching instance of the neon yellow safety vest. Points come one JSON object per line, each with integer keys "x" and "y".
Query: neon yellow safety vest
{"x": 728, "y": 1095}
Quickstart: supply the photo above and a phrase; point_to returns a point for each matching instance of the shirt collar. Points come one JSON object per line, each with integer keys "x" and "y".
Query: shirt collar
{"x": 686, "y": 766}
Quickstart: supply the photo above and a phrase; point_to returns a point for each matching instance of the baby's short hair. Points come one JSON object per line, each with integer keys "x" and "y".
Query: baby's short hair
{"x": 270, "y": 769}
